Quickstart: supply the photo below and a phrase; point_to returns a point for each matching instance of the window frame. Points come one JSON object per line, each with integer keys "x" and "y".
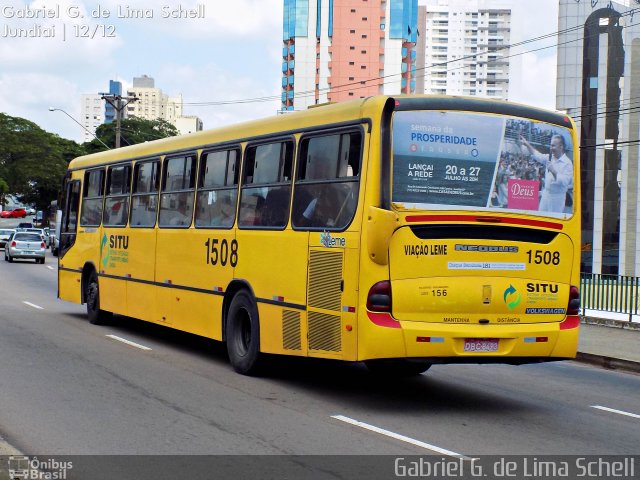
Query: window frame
{"x": 281, "y": 182}
{"x": 191, "y": 189}
{"x": 85, "y": 197}
{"x": 108, "y": 195}
{"x": 226, "y": 187}
{"x": 155, "y": 184}
{"x": 298, "y": 182}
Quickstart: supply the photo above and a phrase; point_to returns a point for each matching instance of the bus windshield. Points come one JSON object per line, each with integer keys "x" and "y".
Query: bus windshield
{"x": 450, "y": 160}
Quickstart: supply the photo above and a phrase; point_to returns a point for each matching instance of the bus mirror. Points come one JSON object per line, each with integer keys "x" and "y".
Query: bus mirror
{"x": 380, "y": 226}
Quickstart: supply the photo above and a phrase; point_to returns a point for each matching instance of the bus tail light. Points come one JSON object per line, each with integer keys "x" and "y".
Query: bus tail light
{"x": 574, "y": 301}
{"x": 379, "y": 298}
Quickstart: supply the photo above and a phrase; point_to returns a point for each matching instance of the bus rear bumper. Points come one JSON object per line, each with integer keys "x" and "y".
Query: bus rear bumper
{"x": 464, "y": 343}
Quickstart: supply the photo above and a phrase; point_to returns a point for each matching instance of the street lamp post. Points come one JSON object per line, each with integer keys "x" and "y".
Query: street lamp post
{"x": 51, "y": 109}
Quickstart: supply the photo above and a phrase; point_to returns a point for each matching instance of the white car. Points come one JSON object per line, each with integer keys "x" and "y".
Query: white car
{"x": 5, "y": 233}
{"x": 25, "y": 245}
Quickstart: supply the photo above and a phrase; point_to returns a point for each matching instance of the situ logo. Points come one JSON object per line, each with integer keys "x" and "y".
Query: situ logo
{"x": 24, "y": 468}
{"x": 512, "y": 297}
{"x": 112, "y": 241}
{"x": 328, "y": 241}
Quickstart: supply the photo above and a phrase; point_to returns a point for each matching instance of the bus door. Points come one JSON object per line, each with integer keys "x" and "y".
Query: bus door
{"x": 68, "y": 289}
{"x": 115, "y": 269}
{"x": 141, "y": 247}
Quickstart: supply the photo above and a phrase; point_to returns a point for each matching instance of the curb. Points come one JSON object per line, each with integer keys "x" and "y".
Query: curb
{"x": 609, "y": 363}
{"x": 607, "y": 322}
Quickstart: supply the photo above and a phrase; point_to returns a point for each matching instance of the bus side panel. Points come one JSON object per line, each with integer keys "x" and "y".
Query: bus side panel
{"x": 274, "y": 264}
{"x": 85, "y": 250}
{"x": 193, "y": 266}
{"x": 69, "y": 285}
{"x": 141, "y": 293}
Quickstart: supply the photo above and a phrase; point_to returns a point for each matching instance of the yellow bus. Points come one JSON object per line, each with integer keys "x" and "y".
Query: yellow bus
{"x": 399, "y": 231}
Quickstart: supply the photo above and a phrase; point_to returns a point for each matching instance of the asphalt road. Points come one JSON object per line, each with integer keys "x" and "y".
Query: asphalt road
{"x": 69, "y": 388}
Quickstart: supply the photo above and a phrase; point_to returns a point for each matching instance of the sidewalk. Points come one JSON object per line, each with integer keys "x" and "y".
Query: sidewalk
{"x": 609, "y": 340}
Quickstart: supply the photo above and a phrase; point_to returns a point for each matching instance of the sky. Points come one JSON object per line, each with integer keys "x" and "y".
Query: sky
{"x": 232, "y": 54}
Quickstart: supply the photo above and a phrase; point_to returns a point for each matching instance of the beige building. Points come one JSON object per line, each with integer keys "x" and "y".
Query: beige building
{"x": 152, "y": 103}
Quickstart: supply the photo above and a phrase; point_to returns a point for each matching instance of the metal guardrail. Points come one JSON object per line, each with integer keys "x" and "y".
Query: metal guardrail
{"x": 611, "y": 293}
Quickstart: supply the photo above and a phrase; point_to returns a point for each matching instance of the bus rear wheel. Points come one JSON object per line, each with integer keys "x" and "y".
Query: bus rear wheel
{"x": 92, "y": 297}
{"x": 243, "y": 334}
{"x": 397, "y": 367}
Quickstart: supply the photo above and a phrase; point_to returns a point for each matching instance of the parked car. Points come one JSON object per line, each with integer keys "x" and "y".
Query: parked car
{"x": 5, "y": 233}
{"x": 25, "y": 245}
{"x": 15, "y": 213}
{"x": 30, "y": 210}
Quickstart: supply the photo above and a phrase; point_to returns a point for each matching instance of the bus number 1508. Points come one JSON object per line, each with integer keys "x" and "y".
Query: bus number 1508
{"x": 226, "y": 252}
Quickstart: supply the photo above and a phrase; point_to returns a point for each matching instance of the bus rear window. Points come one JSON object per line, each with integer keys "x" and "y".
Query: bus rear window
{"x": 477, "y": 161}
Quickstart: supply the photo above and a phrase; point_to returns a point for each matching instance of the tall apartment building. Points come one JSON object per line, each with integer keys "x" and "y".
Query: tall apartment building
{"x": 597, "y": 84}
{"x": 152, "y": 103}
{"x": 465, "y": 45}
{"x": 92, "y": 115}
{"x": 336, "y": 50}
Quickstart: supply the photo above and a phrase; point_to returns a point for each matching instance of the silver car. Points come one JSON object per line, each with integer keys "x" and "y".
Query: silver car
{"x": 25, "y": 245}
{"x": 5, "y": 233}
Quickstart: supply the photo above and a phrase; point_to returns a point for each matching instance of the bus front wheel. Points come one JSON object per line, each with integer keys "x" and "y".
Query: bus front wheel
{"x": 92, "y": 296}
{"x": 243, "y": 334}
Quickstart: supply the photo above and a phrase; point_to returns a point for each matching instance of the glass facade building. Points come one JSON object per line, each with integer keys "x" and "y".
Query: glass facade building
{"x": 338, "y": 50}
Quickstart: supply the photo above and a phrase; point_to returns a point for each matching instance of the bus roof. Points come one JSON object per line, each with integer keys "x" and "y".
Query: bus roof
{"x": 368, "y": 108}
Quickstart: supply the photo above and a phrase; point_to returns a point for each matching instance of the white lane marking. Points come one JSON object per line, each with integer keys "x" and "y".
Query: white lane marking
{"x": 613, "y": 410}
{"x": 50, "y": 267}
{"x": 129, "y": 342}
{"x": 33, "y": 305}
{"x": 397, "y": 436}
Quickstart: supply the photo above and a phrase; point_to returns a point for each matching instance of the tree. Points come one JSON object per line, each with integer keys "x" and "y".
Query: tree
{"x": 33, "y": 161}
{"x": 4, "y": 190}
{"x": 133, "y": 130}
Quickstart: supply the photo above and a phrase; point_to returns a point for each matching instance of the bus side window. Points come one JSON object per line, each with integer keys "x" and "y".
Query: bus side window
{"x": 92, "y": 191}
{"x": 144, "y": 198}
{"x": 116, "y": 203}
{"x": 266, "y": 189}
{"x": 176, "y": 199}
{"x": 217, "y": 189}
{"x": 326, "y": 190}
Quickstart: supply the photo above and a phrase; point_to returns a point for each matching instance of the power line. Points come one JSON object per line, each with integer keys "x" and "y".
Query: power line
{"x": 364, "y": 83}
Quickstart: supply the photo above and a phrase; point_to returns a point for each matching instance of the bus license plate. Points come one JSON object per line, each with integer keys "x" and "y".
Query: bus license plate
{"x": 480, "y": 344}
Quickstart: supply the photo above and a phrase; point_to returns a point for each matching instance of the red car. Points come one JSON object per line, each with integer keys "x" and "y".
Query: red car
{"x": 15, "y": 213}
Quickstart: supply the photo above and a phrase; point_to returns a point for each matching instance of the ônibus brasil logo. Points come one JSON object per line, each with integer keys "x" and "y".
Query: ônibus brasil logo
{"x": 512, "y": 297}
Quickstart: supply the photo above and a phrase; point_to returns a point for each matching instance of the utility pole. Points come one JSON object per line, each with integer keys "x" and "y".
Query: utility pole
{"x": 118, "y": 102}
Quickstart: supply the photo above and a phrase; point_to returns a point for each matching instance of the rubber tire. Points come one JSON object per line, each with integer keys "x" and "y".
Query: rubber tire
{"x": 243, "y": 334}
{"x": 10, "y": 258}
{"x": 92, "y": 297}
{"x": 397, "y": 368}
